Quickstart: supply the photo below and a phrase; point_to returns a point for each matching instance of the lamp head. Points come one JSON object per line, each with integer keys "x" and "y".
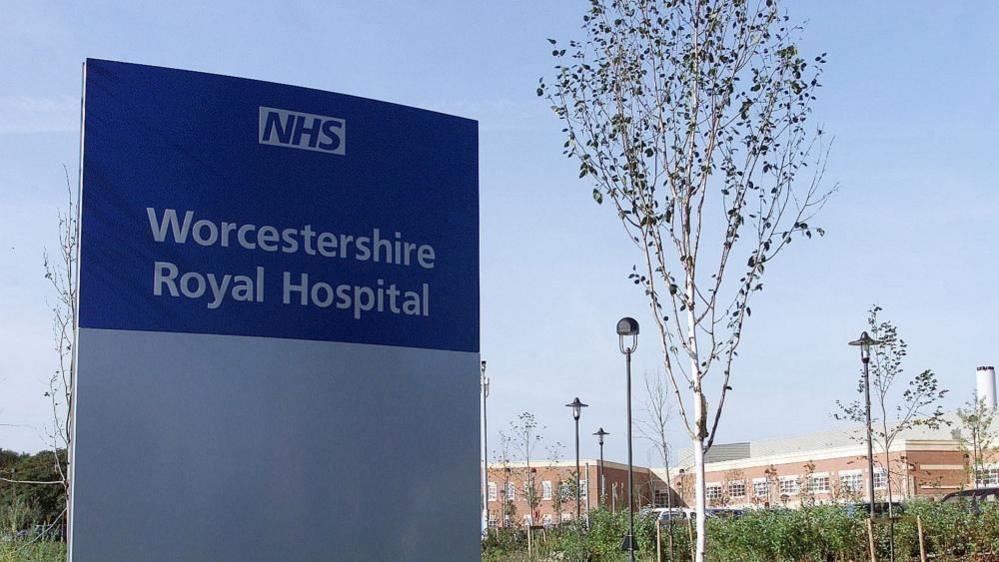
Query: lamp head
{"x": 864, "y": 342}
{"x": 627, "y": 333}
{"x": 484, "y": 379}
{"x": 577, "y": 408}
{"x": 600, "y": 435}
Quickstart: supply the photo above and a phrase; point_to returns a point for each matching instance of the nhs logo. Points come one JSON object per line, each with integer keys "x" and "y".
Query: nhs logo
{"x": 293, "y": 129}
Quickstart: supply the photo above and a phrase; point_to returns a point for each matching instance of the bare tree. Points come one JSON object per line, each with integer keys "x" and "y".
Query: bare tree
{"x": 527, "y": 437}
{"x": 508, "y": 509}
{"x": 61, "y": 271}
{"x": 977, "y": 437}
{"x": 691, "y": 117}
{"x": 892, "y": 413}
{"x": 653, "y": 424}
{"x": 555, "y": 453}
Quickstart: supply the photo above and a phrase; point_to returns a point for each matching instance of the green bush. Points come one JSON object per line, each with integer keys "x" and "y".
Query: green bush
{"x": 953, "y": 532}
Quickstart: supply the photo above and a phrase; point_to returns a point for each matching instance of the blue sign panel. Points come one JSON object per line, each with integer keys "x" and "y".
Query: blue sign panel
{"x": 278, "y": 325}
{"x": 231, "y": 206}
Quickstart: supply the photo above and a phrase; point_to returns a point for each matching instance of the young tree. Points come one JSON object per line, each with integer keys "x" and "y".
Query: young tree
{"x": 653, "y": 423}
{"x": 653, "y": 426}
{"x": 892, "y": 413}
{"x": 977, "y": 437}
{"x": 61, "y": 272}
{"x": 555, "y": 453}
{"x": 691, "y": 118}
{"x": 527, "y": 437}
{"x": 508, "y": 509}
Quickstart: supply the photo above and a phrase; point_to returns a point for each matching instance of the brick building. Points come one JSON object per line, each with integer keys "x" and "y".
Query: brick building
{"x": 819, "y": 468}
{"x": 831, "y": 467}
{"x": 554, "y": 490}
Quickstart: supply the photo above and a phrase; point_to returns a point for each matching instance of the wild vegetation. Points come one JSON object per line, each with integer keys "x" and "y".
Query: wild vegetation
{"x": 31, "y": 491}
{"x": 952, "y": 532}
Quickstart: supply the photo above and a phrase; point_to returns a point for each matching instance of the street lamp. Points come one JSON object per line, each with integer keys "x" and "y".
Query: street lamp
{"x": 577, "y": 409}
{"x": 627, "y": 333}
{"x": 485, "y": 449}
{"x": 864, "y": 342}
{"x": 600, "y": 439}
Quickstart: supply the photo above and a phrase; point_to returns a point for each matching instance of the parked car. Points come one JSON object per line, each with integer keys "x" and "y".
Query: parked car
{"x": 880, "y": 508}
{"x": 725, "y": 512}
{"x": 666, "y": 514}
{"x": 975, "y": 495}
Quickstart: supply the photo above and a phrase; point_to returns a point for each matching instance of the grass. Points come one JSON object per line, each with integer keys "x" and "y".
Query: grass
{"x": 23, "y": 551}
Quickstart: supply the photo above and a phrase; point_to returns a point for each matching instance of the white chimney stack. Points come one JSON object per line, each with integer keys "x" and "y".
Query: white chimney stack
{"x": 987, "y": 386}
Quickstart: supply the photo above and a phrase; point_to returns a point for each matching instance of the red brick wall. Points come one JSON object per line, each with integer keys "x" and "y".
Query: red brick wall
{"x": 913, "y": 474}
{"x": 615, "y": 487}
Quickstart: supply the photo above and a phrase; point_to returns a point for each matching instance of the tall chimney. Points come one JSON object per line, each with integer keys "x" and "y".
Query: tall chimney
{"x": 987, "y": 386}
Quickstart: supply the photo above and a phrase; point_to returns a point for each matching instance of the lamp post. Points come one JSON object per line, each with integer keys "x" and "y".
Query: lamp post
{"x": 600, "y": 439}
{"x": 485, "y": 449}
{"x": 577, "y": 408}
{"x": 628, "y": 328}
{"x": 864, "y": 342}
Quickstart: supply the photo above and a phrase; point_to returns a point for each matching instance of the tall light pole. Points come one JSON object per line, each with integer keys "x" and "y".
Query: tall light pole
{"x": 600, "y": 439}
{"x": 627, "y": 333}
{"x": 865, "y": 342}
{"x": 577, "y": 408}
{"x": 485, "y": 449}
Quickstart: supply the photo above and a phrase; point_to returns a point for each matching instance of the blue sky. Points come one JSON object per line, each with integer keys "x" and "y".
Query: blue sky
{"x": 909, "y": 95}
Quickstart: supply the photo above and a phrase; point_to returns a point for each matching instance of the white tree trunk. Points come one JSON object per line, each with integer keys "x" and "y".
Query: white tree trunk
{"x": 700, "y": 503}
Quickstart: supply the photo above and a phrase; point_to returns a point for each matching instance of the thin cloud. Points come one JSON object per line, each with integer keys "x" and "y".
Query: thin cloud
{"x": 33, "y": 114}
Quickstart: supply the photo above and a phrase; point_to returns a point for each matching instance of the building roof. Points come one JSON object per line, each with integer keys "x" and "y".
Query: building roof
{"x": 832, "y": 441}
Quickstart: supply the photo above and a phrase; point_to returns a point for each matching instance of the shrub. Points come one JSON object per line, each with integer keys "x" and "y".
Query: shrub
{"x": 953, "y": 532}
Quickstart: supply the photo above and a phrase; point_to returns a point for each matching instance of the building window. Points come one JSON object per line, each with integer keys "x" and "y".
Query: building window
{"x": 880, "y": 479}
{"x": 546, "y": 490}
{"x": 511, "y": 492}
{"x": 547, "y": 520}
{"x": 492, "y": 491}
{"x": 566, "y": 516}
{"x": 583, "y": 489}
{"x": 714, "y": 492}
{"x": 761, "y": 488}
{"x": 988, "y": 477}
{"x": 492, "y": 522}
{"x": 851, "y": 482}
{"x": 788, "y": 485}
{"x": 528, "y": 520}
{"x": 819, "y": 483}
{"x": 737, "y": 488}
{"x": 662, "y": 498}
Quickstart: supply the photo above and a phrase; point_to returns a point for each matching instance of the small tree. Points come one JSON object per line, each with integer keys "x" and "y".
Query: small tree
{"x": 892, "y": 413}
{"x": 508, "y": 510}
{"x": 555, "y": 452}
{"x": 691, "y": 118}
{"x": 806, "y": 485}
{"x": 61, "y": 272}
{"x": 653, "y": 423}
{"x": 568, "y": 491}
{"x": 525, "y": 433}
{"x": 653, "y": 426}
{"x": 976, "y": 436}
